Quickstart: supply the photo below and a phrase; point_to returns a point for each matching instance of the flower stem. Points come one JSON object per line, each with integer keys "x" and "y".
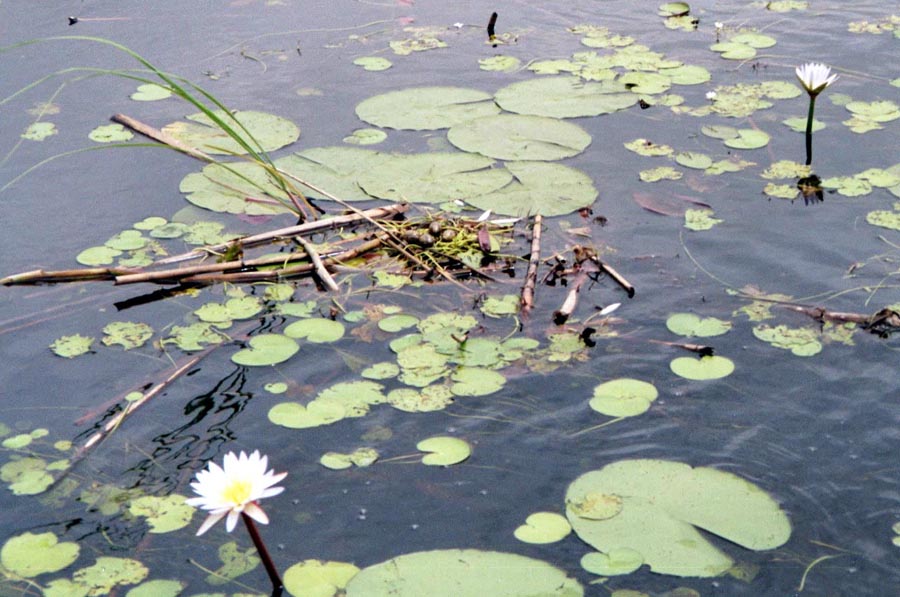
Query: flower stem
{"x": 809, "y": 127}
{"x": 277, "y": 585}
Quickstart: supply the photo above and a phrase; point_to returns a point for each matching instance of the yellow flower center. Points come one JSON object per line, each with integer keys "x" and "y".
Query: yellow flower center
{"x": 238, "y": 492}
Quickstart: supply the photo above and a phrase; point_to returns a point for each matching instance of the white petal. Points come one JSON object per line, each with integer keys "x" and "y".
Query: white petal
{"x": 256, "y": 513}
{"x": 232, "y": 519}
{"x": 209, "y": 522}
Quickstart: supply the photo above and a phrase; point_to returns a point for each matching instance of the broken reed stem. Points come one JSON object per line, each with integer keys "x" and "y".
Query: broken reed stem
{"x": 568, "y": 307}
{"x": 534, "y": 260}
{"x": 171, "y": 276}
{"x": 289, "y": 232}
{"x": 69, "y": 275}
{"x": 619, "y": 278}
{"x": 322, "y": 273}
{"x": 158, "y": 135}
{"x": 286, "y": 272}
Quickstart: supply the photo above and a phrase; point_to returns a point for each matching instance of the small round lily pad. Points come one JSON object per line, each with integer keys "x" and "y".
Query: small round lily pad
{"x": 266, "y": 349}
{"x": 444, "y": 451}
{"x": 708, "y": 367}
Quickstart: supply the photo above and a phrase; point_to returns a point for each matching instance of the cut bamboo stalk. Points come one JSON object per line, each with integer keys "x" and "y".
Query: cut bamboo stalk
{"x": 69, "y": 275}
{"x": 324, "y": 277}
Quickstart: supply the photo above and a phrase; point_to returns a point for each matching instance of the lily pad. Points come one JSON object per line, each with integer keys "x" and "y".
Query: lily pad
{"x": 748, "y": 139}
{"x": 648, "y": 148}
{"x": 499, "y": 63}
{"x": 72, "y": 346}
{"x": 150, "y": 92}
{"x": 365, "y": 137}
{"x": 433, "y": 177}
{"x": 798, "y": 124}
{"x": 884, "y": 218}
{"x": 708, "y": 367}
{"x": 164, "y": 514}
{"x": 128, "y": 334}
{"x": 317, "y": 578}
{"x": 110, "y": 133}
{"x": 687, "y": 74}
{"x": 543, "y": 527}
{"x": 518, "y": 137}
{"x": 688, "y": 324}
{"x": 222, "y": 188}
{"x": 539, "y": 188}
{"x": 463, "y": 573}
{"x": 663, "y": 502}
{"x": 426, "y": 108}
{"x": 373, "y": 63}
{"x": 96, "y": 256}
{"x": 564, "y": 97}
{"x": 444, "y": 451}
{"x": 385, "y": 370}
{"x": 645, "y": 83}
{"x": 396, "y": 323}
{"x": 692, "y": 159}
{"x": 266, "y": 349}
{"x": 333, "y": 169}
{"x": 623, "y": 397}
{"x": 733, "y": 50}
{"x": 26, "y": 476}
{"x": 802, "y": 342}
{"x": 660, "y": 173}
{"x": 617, "y": 561}
{"x": 269, "y": 132}
{"x": 754, "y": 40}
{"x": 476, "y": 381}
{"x": 316, "y": 329}
{"x": 297, "y": 416}
{"x": 428, "y": 399}
{"x": 108, "y": 573}
{"x": 38, "y": 131}
{"x": 29, "y": 555}
{"x": 159, "y": 587}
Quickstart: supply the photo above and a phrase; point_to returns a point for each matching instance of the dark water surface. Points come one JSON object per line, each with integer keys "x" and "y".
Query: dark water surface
{"x": 820, "y": 434}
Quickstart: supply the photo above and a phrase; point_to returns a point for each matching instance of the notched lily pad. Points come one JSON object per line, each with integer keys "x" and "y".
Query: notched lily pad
{"x": 426, "y": 108}
{"x": 708, "y": 367}
{"x": 270, "y": 132}
{"x": 444, "y": 451}
{"x": 72, "y": 346}
{"x": 317, "y": 578}
{"x": 520, "y": 137}
{"x": 29, "y": 555}
{"x": 623, "y": 397}
{"x": 266, "y": 349}
{"x": 543, "y": 527}
{"x": 564, "y": 97}
{"x": 802, "y": 342}
{"x": 539, "y": 188}
{"x": 688, "y": 324}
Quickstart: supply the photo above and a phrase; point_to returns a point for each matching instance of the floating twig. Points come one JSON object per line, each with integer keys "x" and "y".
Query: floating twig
{"x": 158, "y": 135}
{"x": 568, "y": 307}
{"x": 322, "y": 273}
{"x": 534, "y": 261}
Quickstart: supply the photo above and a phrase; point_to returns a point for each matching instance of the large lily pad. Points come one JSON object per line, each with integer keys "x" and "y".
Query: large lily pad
{"x": 332, "y": 169}
{"x": 463, "y": 573}
{"x": 623, "y": 397}
{"x": 517, "y": 137}
{"x": 433, "y": 177}
{"x": 226, "y": 188}
{"x": 315, "y": 578}
{"x": 564, "y": 97}
{"x": 270, "y": 132}
{"x": 266, "y": 349}
{"x": 29, "y": 554}
{"x": 426, "y": 108}
{"x": 539, "y": 188}
{"x": 664, "y": 503}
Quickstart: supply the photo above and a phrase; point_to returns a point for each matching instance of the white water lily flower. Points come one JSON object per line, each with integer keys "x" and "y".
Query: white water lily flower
{"x": 234, "y": 489}
{"x": 711, "y": 95}
{"x": 815, "y": 77}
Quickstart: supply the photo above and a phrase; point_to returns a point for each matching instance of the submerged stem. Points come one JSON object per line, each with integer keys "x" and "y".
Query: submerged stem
{"x": 277, "y": 585}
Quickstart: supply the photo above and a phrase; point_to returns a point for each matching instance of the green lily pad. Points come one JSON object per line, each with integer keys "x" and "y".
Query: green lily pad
{"x": 662, "y": 503}
{"x": 128, "y": 334}
{"x": 127, "y": 240}
{"x": 17, "y": 442}
{"x": 159, "y": 587}
{"x": 164, "y": 514}
{"x": 618, "y": 561}
{"x": 29, "y": 555}
{"x": 648, "y": 148}
{"x": 425, "y": 108}
{"x": 396, "y": 323}
{"x": 294, "y": 415}
{"x": 276, "y": 387}
{"x": 539, "y": 188}
{"x": 719, "y": 131}
{"x": 235, "y": 563}
{"x": 365, "y": 137}
{"x": 38, "y": 131}
{"x": 433, "y": 177}
{"x": 500, "y": 306}
{"x": 361, "y": 457}
{"x": 518, "y": 137}
{"x": 543, "y": 527}
{"x": 193, "y": 337}
{"x": 692, "y": 159}
{"x": 877, "y": 111}
{"x": 150, "y": 92}
{"x": 317, "y": 578}
{"x": 110, "y": 133}
{"x": 222, "y": 188}
{"x": 384, "y": 370}
{"x": 334, "y": 169}
{"x": 708, "y": 367}
{"x": 72, "y": 346}
{"x": 660, "y": 173}
{"x": 499, "y": 63}
{"x": 848, "y": 186}
{"x": 266, "y": 349}
{"x": 781, "y": 191}
{"x": 564, "y": 97}
{"x": 798, "y": 124}
{"x": 475, "y": 381}
{"x": 786, "y": 169}
{"x": 688, "y": 324}
{"x": 748, "y": 139}
{"x": 802, "y": 342}
{"x": 623, "y": 397}
{"x": 317, "y": 329}
{"x": 787, "y": 5}
{"x": 428, "y": 399}
{"x": 444, "y": 451}
{"x": 674, "y": 9}
{"x": 26, "y": 476}
{"x": 354, "y": 398}
{"x": 270, "y": 132}
{"x": 645, "y": 83}
{"x": 373, "y": 63}
{"x": 884, "y": 219}
{"x": 687, "y": 74}
{"x": 405, "y": 47}
{"x": 733, "y": 50}
{"x": 108, "y": 573}
{"x": 463, "y": 573}
{"x": 754, "y": 40}
{"x": 880, "y": 177}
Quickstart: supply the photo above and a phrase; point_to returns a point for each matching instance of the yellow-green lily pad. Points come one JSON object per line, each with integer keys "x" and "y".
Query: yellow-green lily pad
{"x": 616, "y": 562}
{"x": 164, "y": 514}
{"x": 373, "y": 63}
{"x": 110, "y": 133}
{"x": 29, "y": 555}
{"x": 266, "y": 349}
{"x": 151, "y": 92}
{"x": 316, "y": 329}
{"x": 128, "y": 334}
{"x": 72, "y": 346}
{"x": 294, "y": 415}
{"x": 269, "y": 132}
{"x": 108, "y": 573}
{"x": 543, "y": 527}
{"x": 623, "y": 397}
{"x": 708, "y": 367}
{"x": 802, "y": 342}
{"x": 444, "y": 451}
{"x": 425, "y": 108}
{"x": 317, "y": 578}
{"x": 688, "y": 324}
{"x": 520, "y": 137}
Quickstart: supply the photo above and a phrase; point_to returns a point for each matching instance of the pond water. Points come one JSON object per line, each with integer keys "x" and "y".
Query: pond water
{"x": 817, "y": 433}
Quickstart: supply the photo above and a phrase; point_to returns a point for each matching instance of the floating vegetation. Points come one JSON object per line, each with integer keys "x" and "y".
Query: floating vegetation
{"x": 543, "y": 527}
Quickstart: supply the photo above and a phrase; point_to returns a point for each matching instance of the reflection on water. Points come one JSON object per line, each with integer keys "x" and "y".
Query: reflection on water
{"x": 819, "y": 433}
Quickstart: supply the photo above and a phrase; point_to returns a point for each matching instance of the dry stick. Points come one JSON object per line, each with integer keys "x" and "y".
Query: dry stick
{"x": 242, "y": 277}
{"x": 321, "y": 272}
{"x": 568, "y": 307}
{"x": 174, "y": 275}
{"x": 620, "y": 280}
{"x": 69, "y": 275}
{"x": 700, "y": 349}
{"x": 534, "y": 260}
{"x": 162, "y": 137}
{"x": 290, "y": 231}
